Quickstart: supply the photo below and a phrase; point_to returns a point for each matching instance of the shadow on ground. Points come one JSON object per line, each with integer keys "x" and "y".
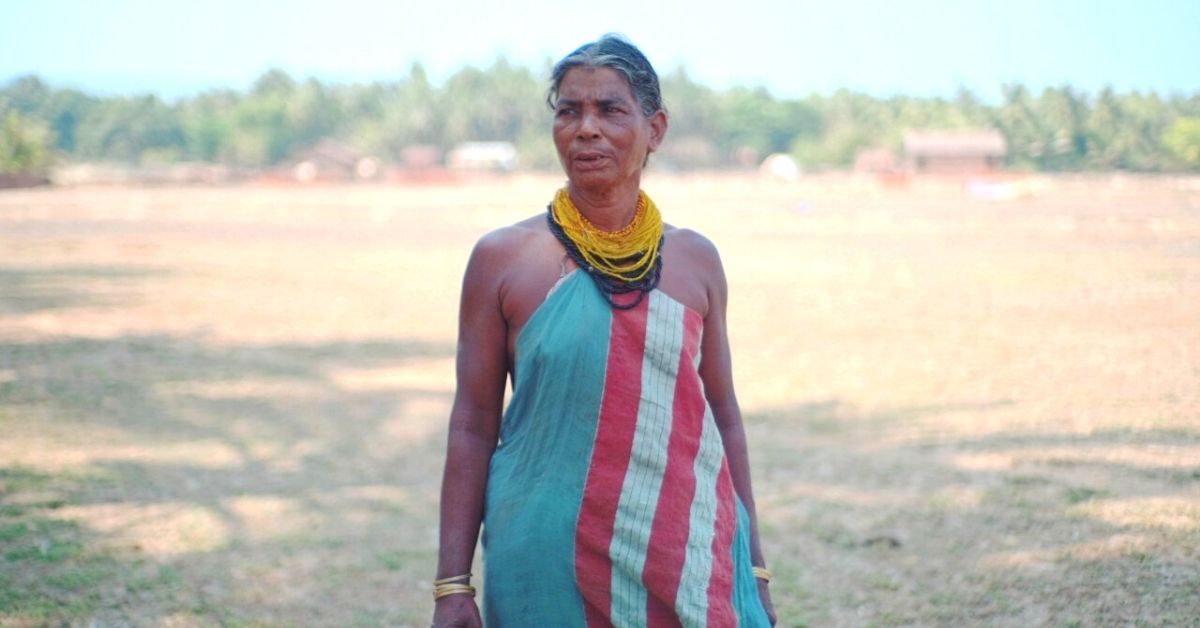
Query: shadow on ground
{"x": 884, "y": 520}
{"x": 167, "y": 478}
{"x": 25, "y": 290}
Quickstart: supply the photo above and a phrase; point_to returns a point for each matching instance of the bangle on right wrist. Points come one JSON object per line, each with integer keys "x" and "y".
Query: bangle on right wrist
{"x": 454, "y": 585}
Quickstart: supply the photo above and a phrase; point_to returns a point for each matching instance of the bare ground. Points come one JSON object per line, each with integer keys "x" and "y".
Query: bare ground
{"x": 227, "y": 406}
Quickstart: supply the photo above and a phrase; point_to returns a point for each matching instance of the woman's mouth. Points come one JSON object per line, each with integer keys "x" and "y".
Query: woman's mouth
{"x": 590, "y": 160}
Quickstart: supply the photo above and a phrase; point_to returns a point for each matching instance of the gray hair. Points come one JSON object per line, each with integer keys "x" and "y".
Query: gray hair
{"x": 617, "y": 53}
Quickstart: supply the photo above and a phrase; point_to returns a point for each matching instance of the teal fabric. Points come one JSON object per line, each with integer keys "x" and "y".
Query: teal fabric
{"x": 535, "y": 485}
{"x": 745, "y": 588}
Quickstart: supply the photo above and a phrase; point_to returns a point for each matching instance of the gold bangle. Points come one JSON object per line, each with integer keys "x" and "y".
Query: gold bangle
{"x": 463, "y": 578}
{"x": 762, "y": 573}
{"x": 444, "y": 590}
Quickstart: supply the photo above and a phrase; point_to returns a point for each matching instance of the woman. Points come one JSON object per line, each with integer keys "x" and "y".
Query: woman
{"x": 615, "y": 490}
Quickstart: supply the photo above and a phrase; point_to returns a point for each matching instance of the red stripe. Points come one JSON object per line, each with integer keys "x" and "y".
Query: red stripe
{"x": 610, "y": 460}
{"x": 667, "y": 550}
{"x": 720, "y": 585}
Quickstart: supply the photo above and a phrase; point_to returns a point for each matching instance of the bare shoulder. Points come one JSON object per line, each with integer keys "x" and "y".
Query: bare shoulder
{"x": 512, "y": 238}
{"x": 509, "y": 266}
{"x": 694, "y": 248}
{"x": 498, "y": 248}
{"x": 692, "y": 270}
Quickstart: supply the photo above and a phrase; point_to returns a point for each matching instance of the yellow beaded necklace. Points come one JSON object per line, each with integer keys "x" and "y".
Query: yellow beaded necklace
{"x": 627, "y": 254}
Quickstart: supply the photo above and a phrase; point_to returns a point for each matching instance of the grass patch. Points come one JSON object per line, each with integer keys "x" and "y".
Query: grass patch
{"x": 57, "y": 528}
{"x": 89, "y": 575}
{"x": 883, "y": 583}
{"x": 34, "y": 608}
{"x": 368, "y": 618}
{"x": 1186, "y": 475}
{"x": 209, "y": 612}
{"x": 49, "y": 573}
{"x": 12, "y": 532}
{"x": 48, "y": 589}
{"x": 46, "y": 550}
{"x": 1027, "y": 480}
{"x": 397, "y": 560}
{"x": 165, "y": 577}
{"x": 18, "y": 479}
{"x": 1080, "y": 494}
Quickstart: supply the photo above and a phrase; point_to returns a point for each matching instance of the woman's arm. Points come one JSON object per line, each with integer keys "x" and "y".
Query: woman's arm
{"x": 716, "y": 371}
{"x": 474, "y": 424}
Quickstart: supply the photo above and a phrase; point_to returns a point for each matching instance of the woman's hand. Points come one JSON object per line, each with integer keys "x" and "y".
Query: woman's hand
{"x": 765, "y": 595}
{"x": 456, "y": 611}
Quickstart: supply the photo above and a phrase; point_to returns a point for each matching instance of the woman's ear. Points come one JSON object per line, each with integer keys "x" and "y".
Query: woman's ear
{"x": 658, "y": 129}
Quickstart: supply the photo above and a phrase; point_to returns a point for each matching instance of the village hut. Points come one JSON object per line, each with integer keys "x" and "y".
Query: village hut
{"x": 329, "y": 160}
{"x": 483, "y": 156}
{"x": 954, "y": 152}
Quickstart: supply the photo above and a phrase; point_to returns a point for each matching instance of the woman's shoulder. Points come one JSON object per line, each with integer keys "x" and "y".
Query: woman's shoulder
{"x": 512, "y": 238}
{"x": 692, "y": 272}
{"x": 692, "y": 245}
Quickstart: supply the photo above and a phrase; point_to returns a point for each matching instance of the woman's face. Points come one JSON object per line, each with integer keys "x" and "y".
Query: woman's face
{"x": 600, "y": 132}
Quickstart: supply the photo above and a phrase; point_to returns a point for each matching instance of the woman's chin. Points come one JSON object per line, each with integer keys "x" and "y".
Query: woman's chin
{"x": 594, "y": 178}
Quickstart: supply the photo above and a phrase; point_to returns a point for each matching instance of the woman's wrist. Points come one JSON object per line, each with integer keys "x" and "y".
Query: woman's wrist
{"x": 452, "y": 586}
{"x": 762, "y": 574}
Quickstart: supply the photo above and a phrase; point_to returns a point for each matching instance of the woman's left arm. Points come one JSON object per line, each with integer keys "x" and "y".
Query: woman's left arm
{"x": 716, "y": 371}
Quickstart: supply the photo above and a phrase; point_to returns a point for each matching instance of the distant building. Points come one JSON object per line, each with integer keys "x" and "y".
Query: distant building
{"x": 328, "y": 160}
{"x": 483, "y": 156}
{"x": 23, "y": 180}
{"x": 954, "y": 152}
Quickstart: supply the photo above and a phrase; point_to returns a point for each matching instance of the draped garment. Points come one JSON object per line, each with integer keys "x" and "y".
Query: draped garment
{"x": 609, "y": 499}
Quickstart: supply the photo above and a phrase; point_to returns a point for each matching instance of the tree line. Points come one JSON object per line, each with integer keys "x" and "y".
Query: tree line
{"x": 1058, "y": 129}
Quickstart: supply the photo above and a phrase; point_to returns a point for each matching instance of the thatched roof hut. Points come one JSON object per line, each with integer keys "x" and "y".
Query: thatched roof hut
{"x": 954, "y": 152}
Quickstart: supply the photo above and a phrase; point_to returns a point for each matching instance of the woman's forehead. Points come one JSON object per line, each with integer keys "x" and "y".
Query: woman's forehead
{"x": 588, "y": 83}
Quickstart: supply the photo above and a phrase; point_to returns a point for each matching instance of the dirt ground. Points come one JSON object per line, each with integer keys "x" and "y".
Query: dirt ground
{"x": 967, "y": 404}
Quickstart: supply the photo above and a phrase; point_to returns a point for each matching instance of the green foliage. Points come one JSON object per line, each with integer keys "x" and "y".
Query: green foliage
{"x": 1059, "y": 129}
{"x": 24, "y": 143}
{"x": 124, "y": 129}
{"x": 752, "y": 119}
{"x": 261, "y": 134}
{"x": 206, "y": 123}
{"x": 1183, "y": 139}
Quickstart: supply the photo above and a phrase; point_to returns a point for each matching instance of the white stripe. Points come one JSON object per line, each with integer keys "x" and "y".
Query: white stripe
{"x": 647, "y": 460}
{"x": 692, "y": 603}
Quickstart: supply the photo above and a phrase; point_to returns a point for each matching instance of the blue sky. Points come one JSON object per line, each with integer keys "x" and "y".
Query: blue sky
{"x": 917, "y": 47}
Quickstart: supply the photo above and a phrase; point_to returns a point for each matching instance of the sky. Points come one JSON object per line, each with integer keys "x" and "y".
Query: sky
{"x": 796, "y": 48}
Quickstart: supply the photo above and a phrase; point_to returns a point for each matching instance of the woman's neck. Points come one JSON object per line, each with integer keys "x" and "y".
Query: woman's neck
{"x": 611, "y": 209}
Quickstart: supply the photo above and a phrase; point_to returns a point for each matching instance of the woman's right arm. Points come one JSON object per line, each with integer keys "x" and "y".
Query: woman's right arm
{"x": 482, "y": 367}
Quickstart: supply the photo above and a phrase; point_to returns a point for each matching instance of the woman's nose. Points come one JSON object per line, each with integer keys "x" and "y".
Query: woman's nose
{"x": 588, "y": 125}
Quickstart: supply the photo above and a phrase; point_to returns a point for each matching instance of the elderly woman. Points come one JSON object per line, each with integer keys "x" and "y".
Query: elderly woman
{"x": 615, "y": 488}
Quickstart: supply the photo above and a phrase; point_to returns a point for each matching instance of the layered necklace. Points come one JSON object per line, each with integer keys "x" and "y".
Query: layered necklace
{"x": 622, "y": 261}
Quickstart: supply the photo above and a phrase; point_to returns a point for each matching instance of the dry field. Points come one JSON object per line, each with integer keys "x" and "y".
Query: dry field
{"x": 226, "y": 406}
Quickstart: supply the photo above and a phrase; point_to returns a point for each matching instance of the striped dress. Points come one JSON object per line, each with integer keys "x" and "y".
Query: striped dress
{"x": 609, "y": 499}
